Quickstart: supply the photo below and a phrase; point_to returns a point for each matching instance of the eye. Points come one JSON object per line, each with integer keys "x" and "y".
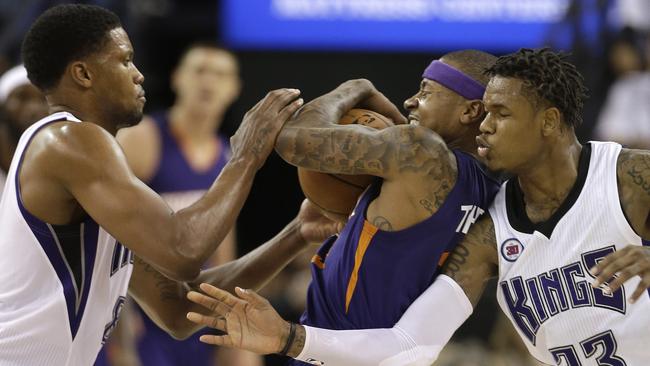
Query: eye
{"x": 424, "y": 93}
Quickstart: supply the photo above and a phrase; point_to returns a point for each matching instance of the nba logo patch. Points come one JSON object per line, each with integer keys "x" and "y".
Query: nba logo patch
{"x": 511, "y": 249}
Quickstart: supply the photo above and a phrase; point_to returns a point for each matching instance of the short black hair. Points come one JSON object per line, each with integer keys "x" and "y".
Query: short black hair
{"x": 548, "y": 77}
{"x": 472, "y": 63}
{"x": 61, "y": 35}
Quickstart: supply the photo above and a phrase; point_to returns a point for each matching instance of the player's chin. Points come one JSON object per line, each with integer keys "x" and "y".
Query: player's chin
{"x": 134, "y": 117}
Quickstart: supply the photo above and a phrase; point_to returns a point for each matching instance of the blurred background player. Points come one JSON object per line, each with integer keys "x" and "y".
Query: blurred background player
{"x": 179, "y": 153}
{"x": 21, "y": 104}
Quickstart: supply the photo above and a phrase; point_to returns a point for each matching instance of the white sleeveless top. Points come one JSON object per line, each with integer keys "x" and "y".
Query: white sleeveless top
{"x": 61, "y": 287}
{"x": 544, "y": 285}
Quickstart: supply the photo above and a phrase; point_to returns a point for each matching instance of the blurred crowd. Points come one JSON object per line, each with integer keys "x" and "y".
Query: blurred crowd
{"x": 615, "y": 63}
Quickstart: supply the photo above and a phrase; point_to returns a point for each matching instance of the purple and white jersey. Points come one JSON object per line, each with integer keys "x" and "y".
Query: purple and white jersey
{"x": 544, "y": 281}
{"x": 61, "y": 287}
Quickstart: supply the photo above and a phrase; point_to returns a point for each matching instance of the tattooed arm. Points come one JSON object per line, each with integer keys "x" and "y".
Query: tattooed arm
{"x": 474, "y": 261}
{"x": 314, "y": 140}
{"x": 633, "y": 170}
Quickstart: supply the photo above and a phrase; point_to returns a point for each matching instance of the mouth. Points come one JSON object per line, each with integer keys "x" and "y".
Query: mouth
{"x": 483, "y": 146}
{"x": 141, "y": 97}
{"x": 412, "y": 120}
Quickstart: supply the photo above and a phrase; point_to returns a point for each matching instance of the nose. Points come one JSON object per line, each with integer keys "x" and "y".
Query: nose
{"x": 139, "y": 78}
{"x": 411, "y": 103}
{"x": 487, "y": 125}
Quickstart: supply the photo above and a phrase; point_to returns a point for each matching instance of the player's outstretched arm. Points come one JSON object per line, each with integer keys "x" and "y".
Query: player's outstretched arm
{"x": 315, "y": 141}
{"x": 251, "y": 323}
{"x": 89, "y": 164}
{"x": 633, "y": 171}
{"x": 165, "y": 302}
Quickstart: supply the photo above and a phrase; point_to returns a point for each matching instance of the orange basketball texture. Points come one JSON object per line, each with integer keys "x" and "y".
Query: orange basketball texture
{"x": 337, "y": 194}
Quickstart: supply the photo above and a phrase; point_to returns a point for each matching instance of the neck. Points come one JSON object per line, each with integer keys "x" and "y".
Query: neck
{"x": 465, "y": 143}
{"x": 83, "y": 113}
{"x": 194, "y": 126}
{"x": 548, "y": 181}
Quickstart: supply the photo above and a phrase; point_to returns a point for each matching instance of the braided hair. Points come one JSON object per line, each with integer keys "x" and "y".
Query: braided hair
{"x": 549, "y": 79}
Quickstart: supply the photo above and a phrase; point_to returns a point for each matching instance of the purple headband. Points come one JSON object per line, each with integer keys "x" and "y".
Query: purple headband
{"x": 454, "y": 79}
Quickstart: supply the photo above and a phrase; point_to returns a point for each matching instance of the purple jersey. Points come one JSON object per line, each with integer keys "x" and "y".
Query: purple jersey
{"x": 367, "y": 278}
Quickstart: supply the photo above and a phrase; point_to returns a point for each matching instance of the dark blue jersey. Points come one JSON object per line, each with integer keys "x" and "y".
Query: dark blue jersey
{"x": 367, "y": 278}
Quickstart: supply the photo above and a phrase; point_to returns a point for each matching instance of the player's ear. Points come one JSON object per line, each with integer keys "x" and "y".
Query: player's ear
{"x": 80, "y": 74}
{"x": 551, "y": 121}
{"x": 473, "y": 112}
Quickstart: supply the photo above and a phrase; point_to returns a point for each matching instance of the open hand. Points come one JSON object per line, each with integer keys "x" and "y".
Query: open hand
{"x": 249, "y": 320}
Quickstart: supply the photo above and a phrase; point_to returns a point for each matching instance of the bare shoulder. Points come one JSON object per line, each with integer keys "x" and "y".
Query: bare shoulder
{"x": 141, "y": 145}
{"x": 76, "y": 141}
{"x": 633, "y": 172}
{"x": 72, "y": 150}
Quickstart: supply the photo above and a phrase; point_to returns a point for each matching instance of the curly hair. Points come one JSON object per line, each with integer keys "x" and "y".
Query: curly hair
{"x": 549, "y": 79}
{"x": 62, "y": 34}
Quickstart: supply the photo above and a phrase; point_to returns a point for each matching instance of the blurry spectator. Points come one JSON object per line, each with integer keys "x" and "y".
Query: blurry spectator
{"x": 625, "y": 117}
{"x": 21, "y": 104}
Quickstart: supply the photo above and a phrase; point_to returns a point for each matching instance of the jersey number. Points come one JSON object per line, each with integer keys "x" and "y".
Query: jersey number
{"x": 607, "y": 357}
{"x": 117, "y": 310}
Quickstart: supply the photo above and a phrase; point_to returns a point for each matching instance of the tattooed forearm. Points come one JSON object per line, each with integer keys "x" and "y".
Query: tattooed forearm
{"x": 382, "y": 223}
{"x": 456, "y": 260}
{"x": 169, "y": 290}
{"x": 298, "y": 342}
{"x": 355, "y": 149}
{"x": 474, "y": 260}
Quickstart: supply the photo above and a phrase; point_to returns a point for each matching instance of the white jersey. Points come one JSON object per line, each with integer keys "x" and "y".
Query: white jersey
{"x": 61, "y": 287}
{"x": 544, "y": 284}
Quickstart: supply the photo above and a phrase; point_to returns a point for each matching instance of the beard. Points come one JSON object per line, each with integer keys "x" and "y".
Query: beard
{"x": 128, "y": 118}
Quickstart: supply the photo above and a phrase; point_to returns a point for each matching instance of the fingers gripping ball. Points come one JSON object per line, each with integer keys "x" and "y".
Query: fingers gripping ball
{"x": 337, "y": 194}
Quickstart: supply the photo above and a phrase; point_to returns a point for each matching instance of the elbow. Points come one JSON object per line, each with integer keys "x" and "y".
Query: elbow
{"x": 184, "y": 268}
{"x": 185, "y": 273}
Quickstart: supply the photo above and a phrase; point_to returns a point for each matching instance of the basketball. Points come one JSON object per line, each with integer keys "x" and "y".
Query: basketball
{"x": 337, "y": 194}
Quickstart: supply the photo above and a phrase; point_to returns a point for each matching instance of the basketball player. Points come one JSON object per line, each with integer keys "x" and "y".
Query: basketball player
{"x": 74, "y": 212}
{"x": 21, "y": 104}
{"x": 433, "y": 189}
{"x": 570, "y": 213}
{"x": 179, "y": 153}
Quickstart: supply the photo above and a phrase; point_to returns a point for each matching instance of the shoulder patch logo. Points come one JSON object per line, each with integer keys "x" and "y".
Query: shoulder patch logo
{"x": 511, "y": 249}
